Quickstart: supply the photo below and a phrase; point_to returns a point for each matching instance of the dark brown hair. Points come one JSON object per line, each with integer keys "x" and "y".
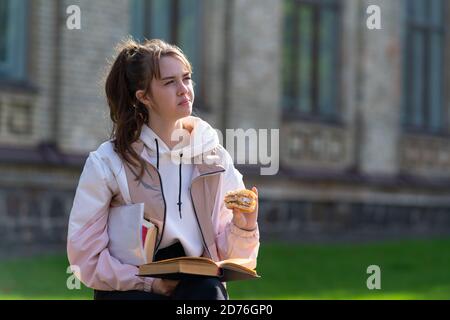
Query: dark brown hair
{"x": 135, "y": 66}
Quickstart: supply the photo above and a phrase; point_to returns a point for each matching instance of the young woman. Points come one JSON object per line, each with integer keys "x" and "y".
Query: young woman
{"x": 150, "y": 96}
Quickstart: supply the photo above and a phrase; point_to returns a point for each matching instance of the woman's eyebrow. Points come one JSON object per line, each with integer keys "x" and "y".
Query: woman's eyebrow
{"x": 173, "y": 77}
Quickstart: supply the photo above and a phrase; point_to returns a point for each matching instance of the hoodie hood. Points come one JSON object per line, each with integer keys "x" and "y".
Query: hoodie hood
{"x": 196, "y": 138}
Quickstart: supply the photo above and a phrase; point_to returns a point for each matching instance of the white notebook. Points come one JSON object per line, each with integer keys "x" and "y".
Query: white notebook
{"x": 125, "y": 231}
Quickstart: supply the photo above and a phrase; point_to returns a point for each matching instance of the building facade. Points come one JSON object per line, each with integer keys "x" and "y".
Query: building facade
{"x": 364, "y": 148}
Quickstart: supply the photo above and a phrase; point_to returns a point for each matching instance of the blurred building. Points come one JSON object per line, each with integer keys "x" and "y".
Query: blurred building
{"x": 363, "y": 114}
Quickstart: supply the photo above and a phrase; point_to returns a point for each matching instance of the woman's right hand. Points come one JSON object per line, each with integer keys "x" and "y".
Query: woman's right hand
{"x": 164, "y": 286}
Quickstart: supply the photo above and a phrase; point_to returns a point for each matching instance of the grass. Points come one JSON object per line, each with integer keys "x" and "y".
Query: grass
{"x": 414, "y": 269}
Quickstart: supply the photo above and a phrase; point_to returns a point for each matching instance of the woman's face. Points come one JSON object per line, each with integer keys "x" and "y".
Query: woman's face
{"x": 173, "y": 94}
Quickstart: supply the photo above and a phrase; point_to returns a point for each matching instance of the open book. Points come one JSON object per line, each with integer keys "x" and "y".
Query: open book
{"x": 186, "y": 267}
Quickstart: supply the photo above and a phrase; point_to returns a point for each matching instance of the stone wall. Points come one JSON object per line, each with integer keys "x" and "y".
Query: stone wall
{"x": 350, "y": 221}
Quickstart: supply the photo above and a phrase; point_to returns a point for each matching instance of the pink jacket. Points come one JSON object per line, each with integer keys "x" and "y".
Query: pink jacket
{"x": 106, "y": 182}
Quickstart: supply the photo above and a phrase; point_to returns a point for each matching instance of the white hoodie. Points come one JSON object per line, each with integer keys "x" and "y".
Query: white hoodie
{"x": 181, "y": 224}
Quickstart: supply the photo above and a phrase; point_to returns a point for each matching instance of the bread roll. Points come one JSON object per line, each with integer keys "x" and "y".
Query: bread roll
{"x": 244, "y": 200}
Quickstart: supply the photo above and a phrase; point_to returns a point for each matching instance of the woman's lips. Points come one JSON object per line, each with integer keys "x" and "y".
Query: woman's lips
{"x": 184, "y": 103}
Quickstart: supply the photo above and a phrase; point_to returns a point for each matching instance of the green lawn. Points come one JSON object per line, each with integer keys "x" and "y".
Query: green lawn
{"x": 409, "y": 270}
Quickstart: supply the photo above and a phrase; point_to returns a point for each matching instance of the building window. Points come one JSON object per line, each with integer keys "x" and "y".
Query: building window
{"x": 178, "y": 22}
{"x": 13, "y": 15}
{"x": 423, "y": 103}
{"x": 310, "y": 58}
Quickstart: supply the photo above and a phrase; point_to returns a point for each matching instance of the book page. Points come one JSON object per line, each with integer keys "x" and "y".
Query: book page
{"x": 231, "y": 269}
{"x": 150, "y": 240}
{"x": 236, "y": 264}
{"x": 189, "y": 260}
{"x": 247, "y": 263}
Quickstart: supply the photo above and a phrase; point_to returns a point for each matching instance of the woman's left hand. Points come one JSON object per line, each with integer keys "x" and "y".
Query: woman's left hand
{"x": 246, "y": 220}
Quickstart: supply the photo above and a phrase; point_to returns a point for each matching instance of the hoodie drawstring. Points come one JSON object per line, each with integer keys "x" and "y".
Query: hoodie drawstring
{"x": 157, "y": 154}
{"x": 179, "y": 203}
{"x": 179, "y": 189}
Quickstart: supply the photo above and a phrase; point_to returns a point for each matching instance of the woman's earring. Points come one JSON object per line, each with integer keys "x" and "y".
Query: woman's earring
{"x": 136, "y": 113}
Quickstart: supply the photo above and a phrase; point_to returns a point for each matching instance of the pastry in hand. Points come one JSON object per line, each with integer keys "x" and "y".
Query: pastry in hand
{"x": 244, "y": 200}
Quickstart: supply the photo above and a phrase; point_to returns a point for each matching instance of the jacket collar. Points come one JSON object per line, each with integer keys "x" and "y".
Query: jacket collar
{"x": 200, "y": 169}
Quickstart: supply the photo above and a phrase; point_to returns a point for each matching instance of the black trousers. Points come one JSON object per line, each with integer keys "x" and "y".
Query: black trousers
{"x": 205, "y": 288}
